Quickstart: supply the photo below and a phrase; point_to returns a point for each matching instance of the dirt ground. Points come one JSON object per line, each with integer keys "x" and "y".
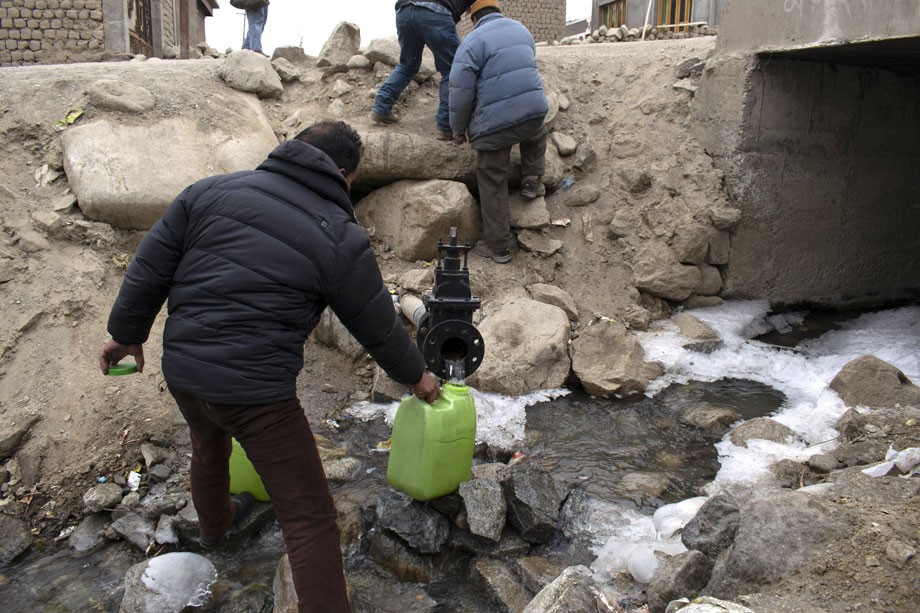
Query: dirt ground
{"x": 56, "y": 286}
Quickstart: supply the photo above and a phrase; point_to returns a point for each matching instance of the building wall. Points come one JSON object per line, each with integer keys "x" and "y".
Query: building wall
{"x": 636, "y": 10}
{"x": 544, "y": 18}
{"x": 50, "y": 31}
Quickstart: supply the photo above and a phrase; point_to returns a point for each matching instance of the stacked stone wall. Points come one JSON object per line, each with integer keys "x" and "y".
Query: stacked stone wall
{"x": 170, "y": 23}
{"x": 50, "y": 31}
{"x": 544, "y": 18}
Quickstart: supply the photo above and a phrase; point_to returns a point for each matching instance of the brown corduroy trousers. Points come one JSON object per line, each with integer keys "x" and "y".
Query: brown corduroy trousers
{"x": 279, "y": 443}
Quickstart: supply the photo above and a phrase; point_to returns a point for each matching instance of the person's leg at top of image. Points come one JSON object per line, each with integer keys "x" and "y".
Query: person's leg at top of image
{"x": 411, "y": 45}
{"x": 255, "y": 19}
{"x": 440, "y": 34}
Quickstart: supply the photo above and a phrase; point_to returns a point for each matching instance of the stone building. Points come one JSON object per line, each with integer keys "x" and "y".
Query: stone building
{"x": 63, "y": 31}
{"x": 544, "y": 18}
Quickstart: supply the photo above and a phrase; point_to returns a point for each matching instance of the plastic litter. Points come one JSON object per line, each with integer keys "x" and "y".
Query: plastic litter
{"x": 907, "y": 462}
{"x": 134, "y": 480}
{"x": 562, "y": 222}
{"x": 567, "y": 182}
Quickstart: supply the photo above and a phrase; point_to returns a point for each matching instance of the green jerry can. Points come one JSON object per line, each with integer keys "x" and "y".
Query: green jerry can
{"x": 431, "y": 451}
{"x": 243, "y": 476}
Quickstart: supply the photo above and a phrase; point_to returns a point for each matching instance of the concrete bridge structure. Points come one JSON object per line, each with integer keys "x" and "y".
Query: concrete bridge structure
{"x": 812, "y": 109}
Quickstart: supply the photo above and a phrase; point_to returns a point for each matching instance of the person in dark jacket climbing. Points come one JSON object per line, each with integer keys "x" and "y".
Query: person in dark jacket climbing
{"x": 420, "y": 23}
{"x": 248, "y": 261}
{"x": 497, "y": 101}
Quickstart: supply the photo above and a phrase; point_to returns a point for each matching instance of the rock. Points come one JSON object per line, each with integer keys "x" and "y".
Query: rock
{"x": 384, "y": 50}
{"x": 14, "y": 538}
{"x": 342, "y": 43}
{"x": 114, "y": 95}
{"x": 287, "y": 71}
{"x": 690, "y": 243}
{"x": 529, "y": 214}
{"x": 550, "y": 294}
{"x": 850, "y": 425}
{"x": 582, "y": 195}
{"x": 89, "y": 534}
{"x": 501, "y": 584}
{"x": 539, "y": 242}
{"x": 386, "y": 389}
{"x": 153, "y": 454}
{"x": 342, "y": 470}
{"x": 570, "y": 592}
{"x": 485, "y": 507}
{"x": 534, "y": 501}
{"x": 610, "y": 362}
{"x": 643, "y": 483}
{"x": 713, "y": 528}
{"x": 710, "y": 280}
{"x": 293, "y": 54}
{"x": 564, "y": 143}
{"x": 115, "y": 182}
{"x": 684, "y": 574}
{"x": 725, "y": 218}
{"x": 136, "y": 529}
{"x": 762, "y": 428}
{"x": 332, "y": 333}
{"x": 691, "y": 67}
{"x": 714, "y": 418}
{"x": 393, "y": 156}
{"x": 341, "y": 88}
{"x": 13, "y": 433}
{"x": 168, "y": 583}
{"x": 411, "y": 216}
{"x": 424, "y": 529}
{"x": 822, "y": 463}
{"x": 874, "y": 383}
{"x": 778, "y": 536}
{"x": 248, "y": 71}
{"x": 658, "y": 272}
{"x": 160, "y": 472}
{"x": 719, "y": 248}
{"x": 359, "y": 62}
{"x": 79, "y": 231}
{"x": 899, "y": 553}
{"x": 285, "y": 594}
{"x": 102, "y": 496}
{"x": 527, "y": 341}
{"x": 165, "y": 533}
{"x": 694, "y": 329}
{"x": 536, "y": 572}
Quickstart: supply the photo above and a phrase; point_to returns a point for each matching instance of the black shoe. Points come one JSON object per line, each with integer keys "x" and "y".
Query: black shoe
{"x": 390, "y": 117}
{"x": 444, "y": 135}
{"x": 532, "y": 188}
{"x": 500, "y": 256}
{"x": 243, "y": 504}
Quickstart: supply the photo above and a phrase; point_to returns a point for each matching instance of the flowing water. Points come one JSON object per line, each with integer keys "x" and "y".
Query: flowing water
{"x": 776, "y": 365}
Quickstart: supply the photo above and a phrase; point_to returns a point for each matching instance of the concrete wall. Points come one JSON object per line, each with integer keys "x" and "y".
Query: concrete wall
{"x": 818, "y": 140}
{"x": 787, "y": 24}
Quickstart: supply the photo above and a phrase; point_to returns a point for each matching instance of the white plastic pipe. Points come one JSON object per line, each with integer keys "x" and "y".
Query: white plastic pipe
{"x": 648, "y": 13}
{"x": 413, "y": 308}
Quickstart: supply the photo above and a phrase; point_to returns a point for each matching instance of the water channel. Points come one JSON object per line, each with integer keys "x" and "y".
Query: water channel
{"x": 776, "y": 365}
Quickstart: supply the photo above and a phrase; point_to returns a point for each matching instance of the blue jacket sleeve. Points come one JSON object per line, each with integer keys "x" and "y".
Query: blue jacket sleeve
{"x": 464, "y": 75}
{"x": 149, "y": 278}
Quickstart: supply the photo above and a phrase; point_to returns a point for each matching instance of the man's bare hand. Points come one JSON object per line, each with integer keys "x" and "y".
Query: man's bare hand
{"x": 427, "y": 388}
{"x": 112, "y": 352}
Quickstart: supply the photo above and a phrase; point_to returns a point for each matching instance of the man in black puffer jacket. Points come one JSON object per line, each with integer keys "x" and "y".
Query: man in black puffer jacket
{"x": 248, "y": 262}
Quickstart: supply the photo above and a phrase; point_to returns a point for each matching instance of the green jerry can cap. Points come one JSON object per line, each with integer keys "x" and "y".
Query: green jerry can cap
{"x": 122, "y": 369}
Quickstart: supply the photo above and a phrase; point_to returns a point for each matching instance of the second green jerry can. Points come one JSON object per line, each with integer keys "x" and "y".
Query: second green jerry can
{"x": 431, "y": 450}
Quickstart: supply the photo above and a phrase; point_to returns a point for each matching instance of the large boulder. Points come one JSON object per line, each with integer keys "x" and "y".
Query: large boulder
{"x": 777, "y": 537}
{"x": 390, "y": 156}
{"x": 874, "y": 383}
{"x": 129, "y": 187}
{"x": 411, "y": 216}
{"x": 526, "y": 346}
{"x": 659, "y": 272}
{"x": 343, "y": 43}
{"x": 248, "y": 71}
{"x": 115, "y": 95}
{"x": 609, "y": 361}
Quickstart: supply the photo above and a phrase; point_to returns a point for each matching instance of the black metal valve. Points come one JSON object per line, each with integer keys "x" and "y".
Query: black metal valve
{"x": 451, "y": 345}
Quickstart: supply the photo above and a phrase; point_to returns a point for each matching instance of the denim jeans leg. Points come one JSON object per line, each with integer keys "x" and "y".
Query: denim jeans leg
{"x": 441, "y": 37}
{"x": 256, "y": 19}
{"x": 410, "y": 59}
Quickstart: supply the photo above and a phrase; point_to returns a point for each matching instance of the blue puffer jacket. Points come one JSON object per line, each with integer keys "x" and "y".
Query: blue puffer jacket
{"x": 494, "y": 81}
{"x": 249, "y": 261}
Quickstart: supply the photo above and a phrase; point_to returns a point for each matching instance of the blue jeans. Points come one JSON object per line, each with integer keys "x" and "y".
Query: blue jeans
{"x": 417, "y": 27}
{"x": 256, "y": 23}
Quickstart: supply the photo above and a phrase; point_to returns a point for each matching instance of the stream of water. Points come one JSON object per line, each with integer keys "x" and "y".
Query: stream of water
{"x": 776, "y": 365}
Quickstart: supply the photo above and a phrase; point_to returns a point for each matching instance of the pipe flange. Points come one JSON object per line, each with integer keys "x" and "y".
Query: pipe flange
{"x": 453, "y": 340}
